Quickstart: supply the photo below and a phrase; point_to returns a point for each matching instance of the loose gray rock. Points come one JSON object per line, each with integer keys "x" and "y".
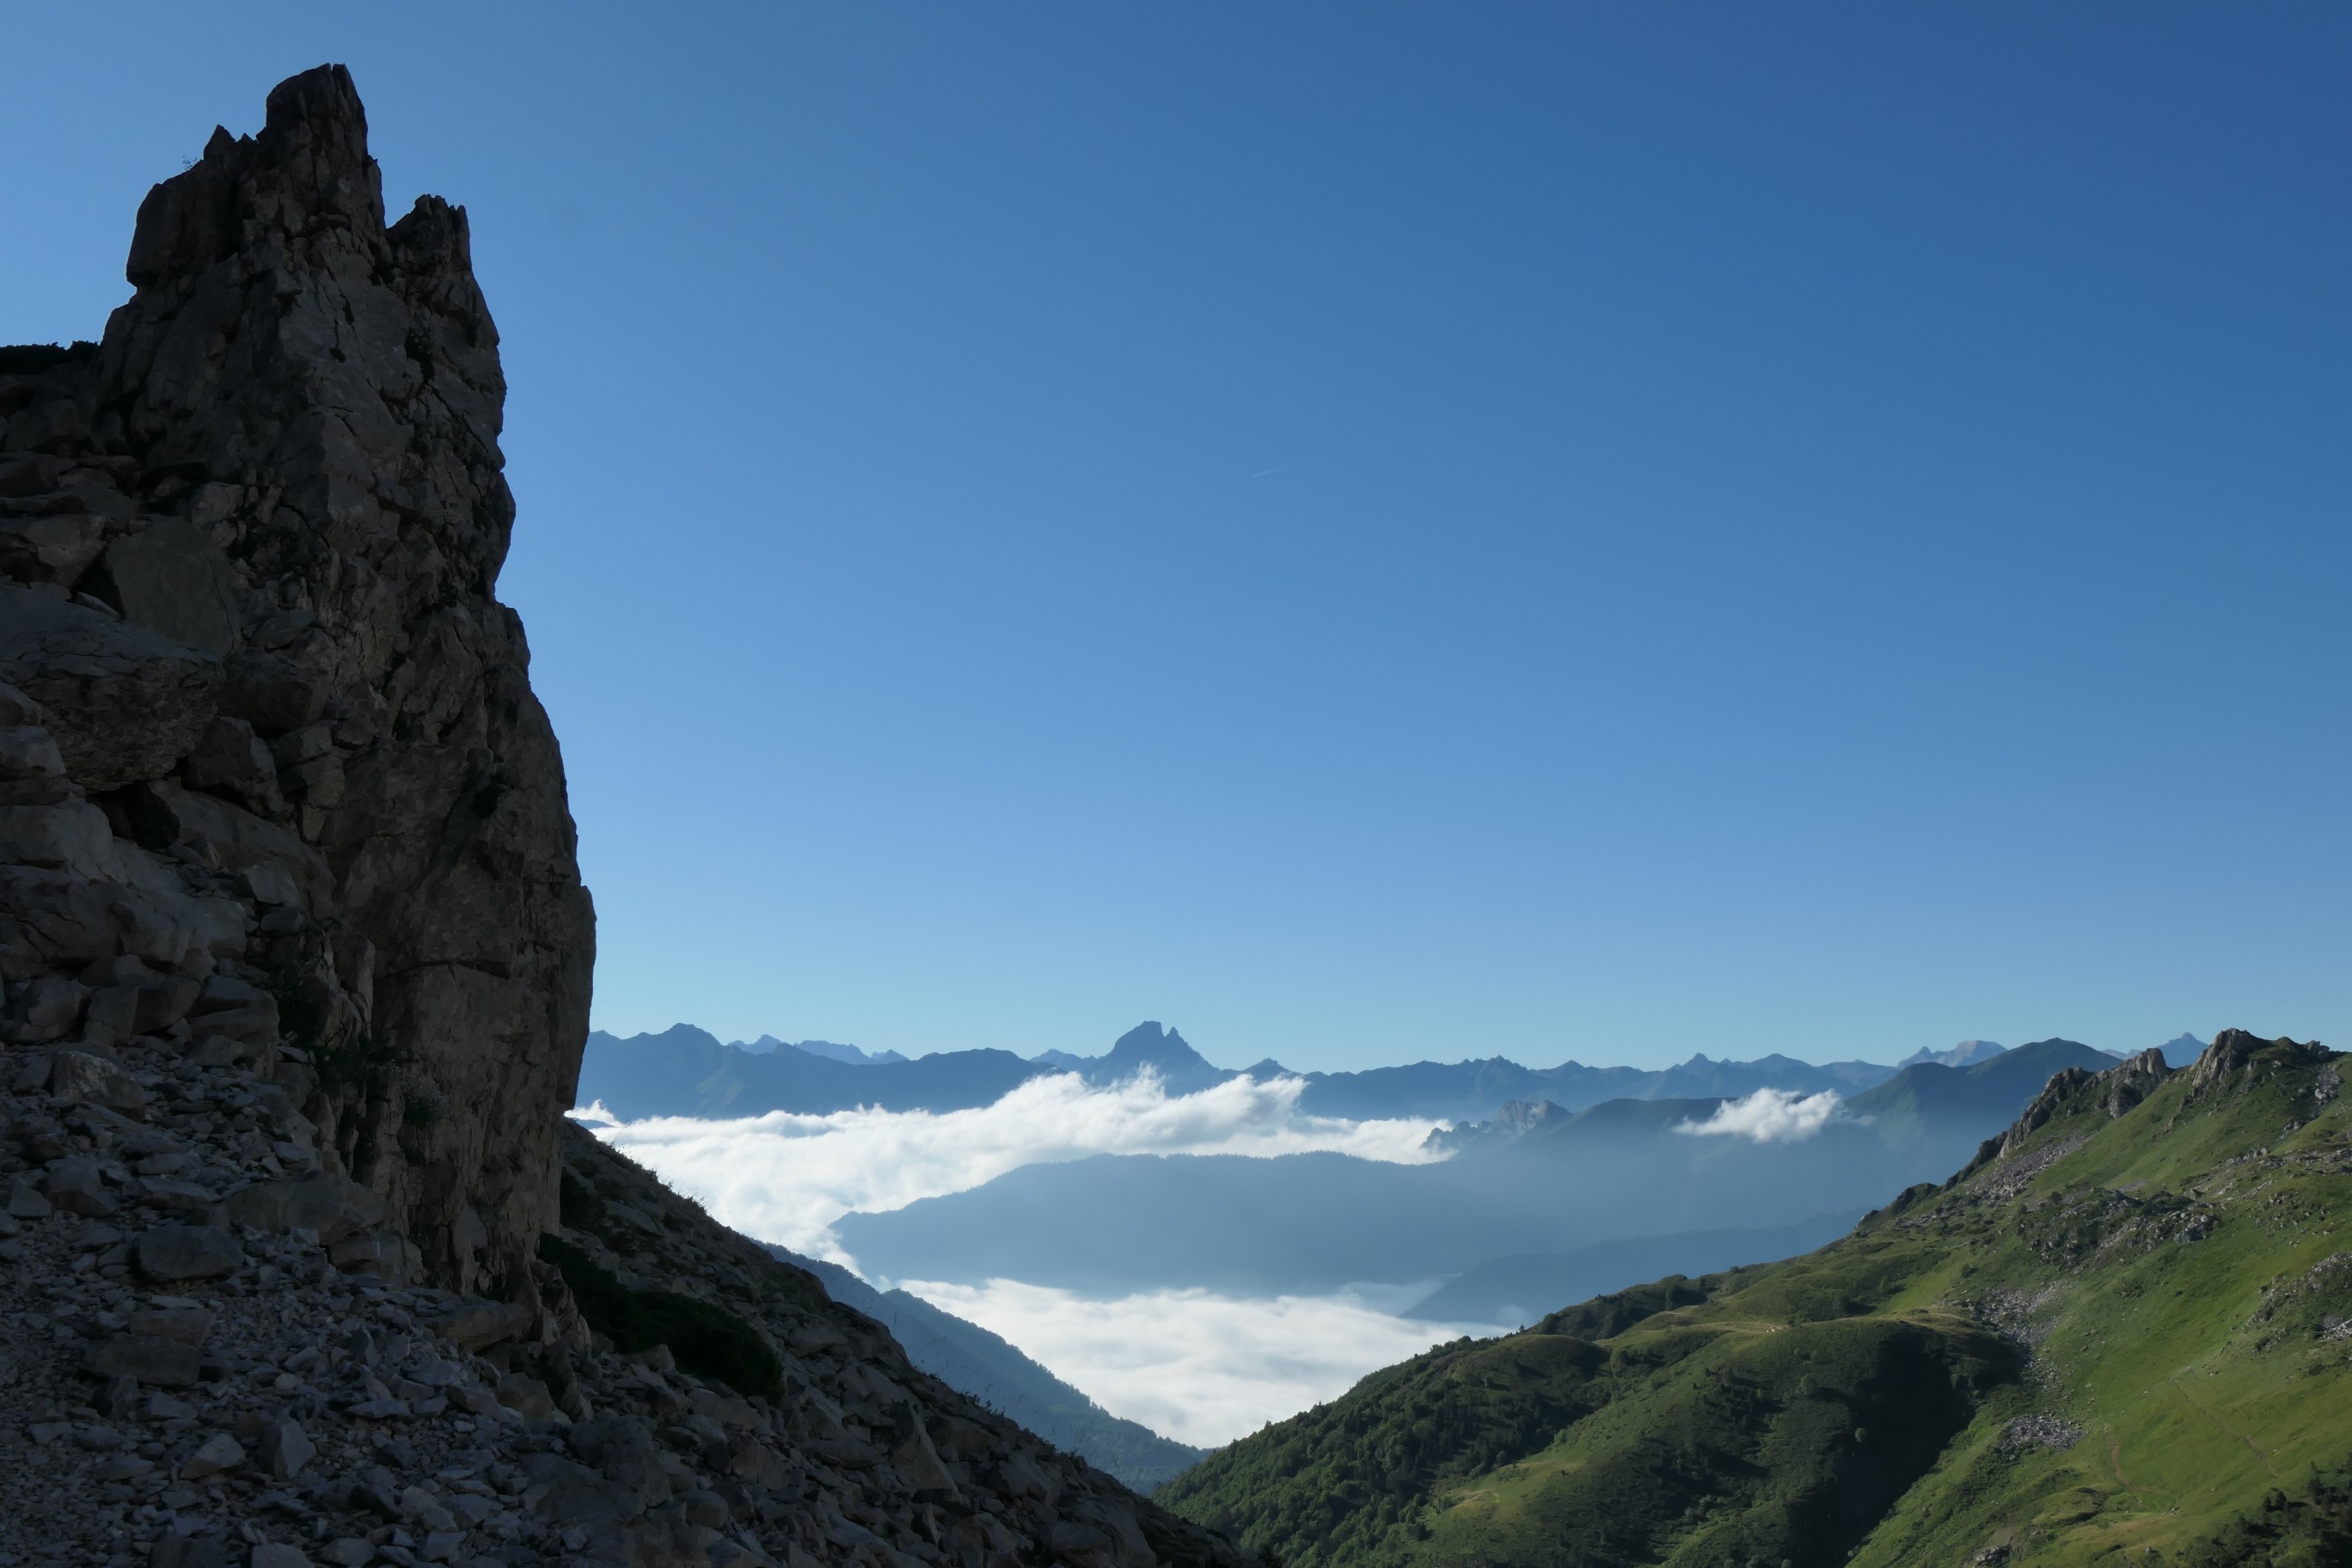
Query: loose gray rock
{"x": 25, "y": 1200}
{"x": 76, "y": 1186}
{"x": 577, "y": 1496}
{"x": 188, "y": 1551}
{"x": 526, "y": 1396}
{"x": 172, "y": 1252}
{"x": 216, "y": 1452}
{"x": 189, "y": 1325}
{"x": 76, "y": 1076}
{"x": 285, "y": 1448}
{"x": 152, "y": 1359}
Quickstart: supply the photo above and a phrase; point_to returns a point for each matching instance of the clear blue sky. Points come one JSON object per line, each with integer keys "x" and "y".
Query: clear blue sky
{"x": 1378, "y": 530}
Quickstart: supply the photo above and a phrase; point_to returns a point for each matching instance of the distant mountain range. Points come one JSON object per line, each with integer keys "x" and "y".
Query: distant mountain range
{"x": 1541, "y": 1179}
{"x": 967, "y": 1358}
{"x": 686, "y": 1071}
{"x": 1562, "y": 1181}
{"x": 1966, "y": 1054}
{"x": 767, "y": 1044}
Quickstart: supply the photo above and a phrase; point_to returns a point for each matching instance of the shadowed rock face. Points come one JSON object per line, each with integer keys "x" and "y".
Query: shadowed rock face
{"x": 297, "y": 964}
{"x": 276, "y": 489}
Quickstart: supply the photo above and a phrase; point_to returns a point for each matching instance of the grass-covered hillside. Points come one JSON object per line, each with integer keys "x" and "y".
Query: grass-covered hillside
{"x": 2120, "y": 1335}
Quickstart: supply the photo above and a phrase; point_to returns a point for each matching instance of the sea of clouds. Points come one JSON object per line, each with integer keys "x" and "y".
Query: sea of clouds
{"x": 1196, "y": 1366}
{"x": 786, "y": 1178}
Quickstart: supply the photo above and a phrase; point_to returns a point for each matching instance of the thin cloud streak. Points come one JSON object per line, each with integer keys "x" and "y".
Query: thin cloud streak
{"x": 1195, "y": 1366}
{"x": 785, "y": 1177}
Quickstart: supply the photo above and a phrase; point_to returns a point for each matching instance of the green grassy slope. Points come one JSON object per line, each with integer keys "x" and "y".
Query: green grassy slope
{"x": 2121, "y": 1334}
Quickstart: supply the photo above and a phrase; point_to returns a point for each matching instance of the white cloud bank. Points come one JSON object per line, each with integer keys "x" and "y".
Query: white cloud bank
{"x": 785, "y": 1177}
{"x": 1768, "y": 1116}
{"x": 1197, "y": 1367}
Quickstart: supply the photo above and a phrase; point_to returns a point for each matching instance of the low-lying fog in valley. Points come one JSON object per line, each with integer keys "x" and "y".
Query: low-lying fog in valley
{"x": 1195, "y": 1366}
{"x": 1204, "y": 1250}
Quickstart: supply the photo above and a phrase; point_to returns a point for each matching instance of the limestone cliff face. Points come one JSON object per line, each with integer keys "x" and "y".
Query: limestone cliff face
{"x": 254, "y": 540}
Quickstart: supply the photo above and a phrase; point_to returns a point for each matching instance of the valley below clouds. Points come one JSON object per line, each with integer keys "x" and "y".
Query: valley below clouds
{"x": 1194, "y": 1364}
{"x": 1206, "y": 1261}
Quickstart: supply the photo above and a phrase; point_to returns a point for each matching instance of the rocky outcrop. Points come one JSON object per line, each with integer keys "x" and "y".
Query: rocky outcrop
{"x": 2134, "y": 1081}
{"x": 2234, "y": 1060}
{"x": 297, "y": 961}
{"x": 254, "y": 534}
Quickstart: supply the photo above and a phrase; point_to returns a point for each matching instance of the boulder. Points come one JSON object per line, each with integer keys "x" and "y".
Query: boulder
{"x": 186, "y": 1252}
{"x": 161, "y": 1003}
{"x": 757, "y": 1463}
{"x": 25, "y": 1200}
{"x": 526, "y": 1396}
{"x": 124, "y": 703}
{"x": 232, "y": 760}
{"x": 163, "y": 815}
{"x": 170, "y": 578}
{"x": 69, "y": 835}
{"x": 58, "y": 547}
{"x": 215, "y": 1454}
{"x": 334, "y": 1206}
{"x": 76, "y": 1187}
{"x": 285, "y": 1448}
{"x": 476, "y": 1325}
{"x": 178, "y": 1197}
{"x": 272, "y": 691}
{"x": 42, "y": 1010}
{"x": 114, "y": 1008}
{"x": 77, "y": 1076}
{"x": 420, "y": 1507}
{"x": 382, "y": 1253}
{"x": 223, "y": 991}
{"x": 916, "y": 1460}
{"x": 625, "y": 1451}
{"x": 29, "y": 752}
{"x": 724, "y": 1410}
{"x": 51, "y": 921}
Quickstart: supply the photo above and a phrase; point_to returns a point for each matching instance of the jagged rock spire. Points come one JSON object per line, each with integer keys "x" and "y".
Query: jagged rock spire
{"x": 283, "y": 459}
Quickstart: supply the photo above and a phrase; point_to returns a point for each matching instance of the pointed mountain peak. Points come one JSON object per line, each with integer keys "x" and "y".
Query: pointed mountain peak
{"x": 1149, "y": 1042}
